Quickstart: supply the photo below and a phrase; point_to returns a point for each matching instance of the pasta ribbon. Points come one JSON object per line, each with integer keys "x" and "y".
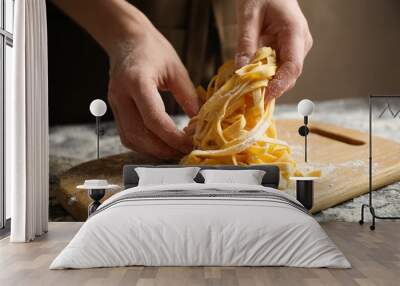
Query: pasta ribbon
{"x": 235, "y": 124}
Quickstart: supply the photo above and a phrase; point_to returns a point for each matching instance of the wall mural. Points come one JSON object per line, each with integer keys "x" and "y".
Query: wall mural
{"x": 228, "y": 121}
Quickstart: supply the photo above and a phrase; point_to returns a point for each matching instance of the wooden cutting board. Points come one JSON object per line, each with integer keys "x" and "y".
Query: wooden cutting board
{"x": 341, "y": 153}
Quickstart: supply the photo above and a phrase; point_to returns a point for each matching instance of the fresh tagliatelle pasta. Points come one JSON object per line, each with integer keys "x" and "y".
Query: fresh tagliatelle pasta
{"x": 235, "y": 123}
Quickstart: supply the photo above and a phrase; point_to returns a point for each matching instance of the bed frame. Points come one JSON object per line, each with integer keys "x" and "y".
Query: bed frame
{"x": 270, "y": 179}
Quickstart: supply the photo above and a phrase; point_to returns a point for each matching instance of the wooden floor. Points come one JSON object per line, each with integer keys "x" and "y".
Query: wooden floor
{"x": 375, "y": 257}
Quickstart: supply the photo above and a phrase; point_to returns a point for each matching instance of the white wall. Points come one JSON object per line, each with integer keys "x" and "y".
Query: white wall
{"x": 356, "y": 49}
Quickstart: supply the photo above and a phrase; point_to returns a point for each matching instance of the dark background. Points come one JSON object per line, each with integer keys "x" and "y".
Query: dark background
{"x": 78, "y": 70}
{"x": 78, "y": 67}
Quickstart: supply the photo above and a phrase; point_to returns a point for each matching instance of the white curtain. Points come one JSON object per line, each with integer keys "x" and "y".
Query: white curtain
{"x": 27, "y": 124}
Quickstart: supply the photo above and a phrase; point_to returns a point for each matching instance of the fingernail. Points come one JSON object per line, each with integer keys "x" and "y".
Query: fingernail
{"x": 187, "y": 148}
{"x": 192, "y": 106}
{"x": 276, "y": 88}
{"x": 241, "y": 60}
{"x": 196, "y": 106}
{"x": 187, "y": 145}
{"x": 178, "y": 156}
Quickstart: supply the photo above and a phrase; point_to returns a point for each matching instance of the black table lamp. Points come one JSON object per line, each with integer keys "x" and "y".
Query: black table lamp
{"x": 305, "y": 108}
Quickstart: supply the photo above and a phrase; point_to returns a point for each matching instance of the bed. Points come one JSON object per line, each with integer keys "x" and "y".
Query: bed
{"x": 198, "y": 224}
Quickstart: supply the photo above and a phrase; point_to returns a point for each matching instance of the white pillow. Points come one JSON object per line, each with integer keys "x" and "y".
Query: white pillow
{"x": 248, "y": 177}
{"x": 163, "y": 176}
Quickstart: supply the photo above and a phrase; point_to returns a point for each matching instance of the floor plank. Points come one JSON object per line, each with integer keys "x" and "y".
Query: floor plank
{"x": 375, "y": 257}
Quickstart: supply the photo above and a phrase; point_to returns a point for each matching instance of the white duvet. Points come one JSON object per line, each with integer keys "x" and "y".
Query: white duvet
{"x": 188, "y": 231}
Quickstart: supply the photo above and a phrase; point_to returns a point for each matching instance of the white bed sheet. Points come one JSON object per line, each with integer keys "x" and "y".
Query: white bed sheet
{"x": 200, "y": 231}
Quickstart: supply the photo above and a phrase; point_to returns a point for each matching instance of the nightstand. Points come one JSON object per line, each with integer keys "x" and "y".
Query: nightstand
{"x": 96, "y": 190}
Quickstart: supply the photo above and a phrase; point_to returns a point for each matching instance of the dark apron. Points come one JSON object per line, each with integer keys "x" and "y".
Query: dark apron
{"x": 203, "y": 32}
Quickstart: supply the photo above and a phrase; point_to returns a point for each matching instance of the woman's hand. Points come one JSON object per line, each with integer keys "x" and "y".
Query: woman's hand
{"x": 281, "y": 25}
{"x": 142, "y": 64}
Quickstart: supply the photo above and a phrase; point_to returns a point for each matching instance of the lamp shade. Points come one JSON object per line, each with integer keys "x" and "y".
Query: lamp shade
{"x": 305, "y": 107}
{"x": 98, "y": 107}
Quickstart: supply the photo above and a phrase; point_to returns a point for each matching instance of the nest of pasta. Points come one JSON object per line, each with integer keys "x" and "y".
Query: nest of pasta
{"x": 235, "y": 125}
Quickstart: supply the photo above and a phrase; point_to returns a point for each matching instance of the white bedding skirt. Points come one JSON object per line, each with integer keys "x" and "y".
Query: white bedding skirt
{"x": 201, "y": 225}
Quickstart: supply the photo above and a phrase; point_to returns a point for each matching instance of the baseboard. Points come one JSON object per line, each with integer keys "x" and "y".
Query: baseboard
{"x": 5, "y": 231}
